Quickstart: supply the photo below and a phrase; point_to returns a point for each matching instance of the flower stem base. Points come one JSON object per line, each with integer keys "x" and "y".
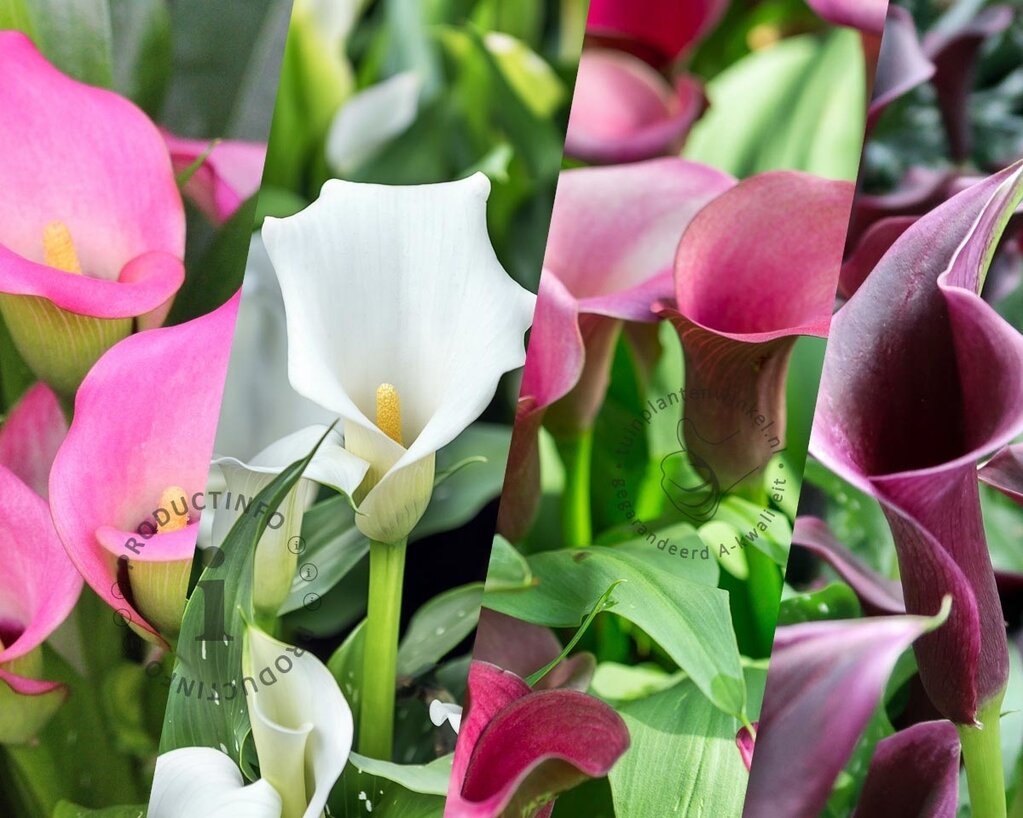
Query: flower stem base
{"x": 982, "y": 757}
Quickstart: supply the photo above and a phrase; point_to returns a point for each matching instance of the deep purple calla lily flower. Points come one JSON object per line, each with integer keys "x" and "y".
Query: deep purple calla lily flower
{"x": 914, "y": 772}
{"x": 518, "y": 747}
{"x": 830, "y": 675}
{"x": 921, "y": 379}
{"x": 1004, "y": 472}
{"x": 741, "y": 299}
{"x": 902, "y": 64}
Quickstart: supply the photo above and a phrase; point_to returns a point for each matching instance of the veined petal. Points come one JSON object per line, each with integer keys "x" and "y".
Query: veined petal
{"x": 194, "y": 781}
{"x": 301, "y": 724}
{"x": 914, "y": 772}
{"x": 31, "y": 435}
{"x": 830, "y": 675}
{"x": 228, "y": 176}
{"x": 625, "y": 111}
{"x": 114, "y": 474}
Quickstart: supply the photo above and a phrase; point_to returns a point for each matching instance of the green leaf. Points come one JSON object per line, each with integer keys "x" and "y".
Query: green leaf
{"x": 799, "y": 105}
{"x": 689, "y": 620}
{"x": 141, "y": 51}
{"x": 65, "y": 809}
{"x": 346, "y": 667}
{"x": 683, "y": 760}
{"x": 75, "y": 35}
{"x": 199, "y": 711}
{"x": 429, "y": 779}
{"x": 14, "y": 16}
{"x": 508, "y": 569}
{"x": 438, "y": 627}
{"x": 836, "y": 601}
{"x": 616, "y": 682}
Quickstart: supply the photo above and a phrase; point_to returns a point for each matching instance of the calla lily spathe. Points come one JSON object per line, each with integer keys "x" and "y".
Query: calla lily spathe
{"x": 276, "y": 557}
{"x": 658, "y": 30}
{"x": 31, "y": 435}
{"x": 203, "y": 781}
{"x": 110, "y": 479}
{"x": 92, "y": 230}
{"x": 401, "y": 320}
{"x": 38, "y": 588}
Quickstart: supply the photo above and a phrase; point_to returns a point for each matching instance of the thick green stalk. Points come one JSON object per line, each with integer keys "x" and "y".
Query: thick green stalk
{"x": 982, "y": 757}
{"x": 576, "y": 454}
{"x": 35, "y": 779}
{"x": 380, "y": 654}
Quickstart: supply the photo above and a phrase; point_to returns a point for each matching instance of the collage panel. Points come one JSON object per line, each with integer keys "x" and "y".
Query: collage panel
{"x": 895, "y": 683}
{"x": 129, "y": 161}
{"x": 368, "y": 409}
{"x": 688, "y": 285}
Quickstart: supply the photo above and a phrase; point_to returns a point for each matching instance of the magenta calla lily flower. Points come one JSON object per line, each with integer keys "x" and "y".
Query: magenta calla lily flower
{"x": 227, "y": 177}
{"x": 658, "y": 30}
{"x": 30, "y": 437}
{"x": 741, "y": 299}
{"x": 830, "y": 675}
{"x": 954, "y": 55}
{"x": 865, "y": 15}
{"x": 524, "y": 648}
{"x": 114, "y": 483}
{"x": 612, "y": 239}
{"x": 625, "y": 111}
{"x": 876, "y": 593}
{"x": 38, "y": 588}
{"x": 518, "y": 748}
{"x": 902, "y": 64}
{"x": 92, "y": 230}
{"x": 914, "y": 772}
{"x": 1004, "y": 472}
{"x": 951, "y": 373}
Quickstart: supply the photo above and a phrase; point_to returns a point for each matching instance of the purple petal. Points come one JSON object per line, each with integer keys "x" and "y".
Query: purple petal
{"x": 1004, "y": 472}
{"x": 875, "y": 242}
{"x": 877, "y": 594}
{"x": 902, "y": 64}
{"x": 865, "y": 15}
{"x": 914, "y": 772}
{"x": 828, "y": 677}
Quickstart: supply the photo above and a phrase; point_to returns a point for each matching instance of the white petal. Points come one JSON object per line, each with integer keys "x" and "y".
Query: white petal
{"x": 334, "y": 19}
{"x": 441, "y": 712}
{"x": 398, "y": 285}
{"x": 371, "y": 119}
{"x": 195, "y": 781}
{"x": 301, "y": 723}
{"x": 259, "y": 404}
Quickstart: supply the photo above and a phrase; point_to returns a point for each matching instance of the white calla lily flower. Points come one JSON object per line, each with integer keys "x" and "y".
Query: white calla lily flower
{"x": 400, "y": 319}
{"x": 301, "y": 724}
{"x": 193, "y": 781}
{"x": 279, "y": 546}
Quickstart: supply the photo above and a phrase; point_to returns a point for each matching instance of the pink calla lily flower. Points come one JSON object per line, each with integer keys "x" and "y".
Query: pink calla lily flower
{"x": 625, "y": 111}
{"x": 38, "y": 588}
{"x": 865, "y": 15}
{"x": 830, "y": 675}
{"x": 114, "y": 483}
{"x": 613, "y": 235}
{"x": 741, "y": 299}
{"x": 517, "y": 747}
{"x": 30, "y": 437}
{"x": 92, "y": 231}
{"x": 914, "y": 772}
{"x": 951, "y": 373}
{"x": 227, "y": 177}
{"x": 657, "y": 30}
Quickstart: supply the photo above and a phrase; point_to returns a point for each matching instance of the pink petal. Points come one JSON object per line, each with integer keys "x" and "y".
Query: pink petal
{"x": 914, "y": 772}
{"x": 825, "y": 681}
{"x": 951, "y": 373}
{"x": 865, "y": 15}
{"x": 91, "y": 159}
{"x": 525, "y": 747}
{"x": 742, "y": 297}
{"x": 624, "y": 111}
{"x": 228, "y": 176}
{"x": 745, "y": 741}
{"x": 31, "y": 435}
{"x": 163, "y": 387}
{"x": 878, "y": 594}
{"x": 38, "y": 586}
{"x": 663, "y": 28}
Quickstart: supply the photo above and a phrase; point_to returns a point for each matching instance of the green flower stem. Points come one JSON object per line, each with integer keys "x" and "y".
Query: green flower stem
{"x": 982, "y": 756}
{"x": 35, "y": 779}
{"x": 380, "y": 654}
{"x": 576, "y": 453}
